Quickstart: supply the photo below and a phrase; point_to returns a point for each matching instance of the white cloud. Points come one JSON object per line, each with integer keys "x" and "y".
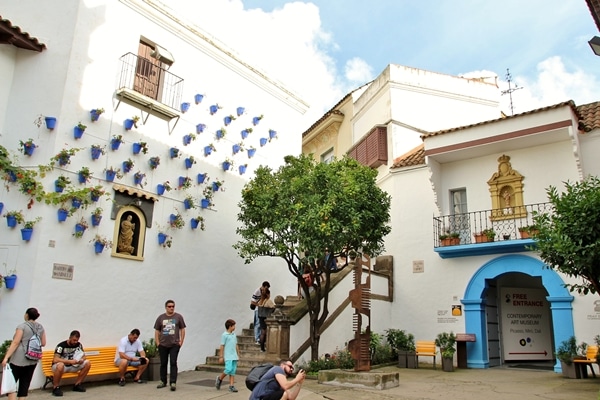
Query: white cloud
{"x": 358, "y": 71}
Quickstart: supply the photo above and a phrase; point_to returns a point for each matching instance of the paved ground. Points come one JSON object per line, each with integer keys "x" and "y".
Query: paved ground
{"x": 415, "y": 384}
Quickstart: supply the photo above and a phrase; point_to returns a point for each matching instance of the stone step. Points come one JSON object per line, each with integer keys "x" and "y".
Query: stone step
{"x": 245, "y": 362}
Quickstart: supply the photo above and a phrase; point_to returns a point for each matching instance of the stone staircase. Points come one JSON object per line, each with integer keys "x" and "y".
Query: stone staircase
{"x": 250, "y": 354}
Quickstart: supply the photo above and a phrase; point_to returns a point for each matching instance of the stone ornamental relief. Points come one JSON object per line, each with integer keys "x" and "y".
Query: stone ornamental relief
{"x": 506, "y": 192}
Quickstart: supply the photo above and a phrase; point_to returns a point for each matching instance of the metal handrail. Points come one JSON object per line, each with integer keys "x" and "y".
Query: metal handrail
{"x": 505, "y": 223}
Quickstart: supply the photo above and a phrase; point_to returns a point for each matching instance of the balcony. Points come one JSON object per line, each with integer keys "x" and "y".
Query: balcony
{"x": 507, "y": 238}
{"x": 145, "y": 84}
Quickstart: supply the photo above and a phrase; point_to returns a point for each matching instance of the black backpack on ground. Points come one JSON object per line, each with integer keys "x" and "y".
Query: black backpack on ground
{"x": 256, "y": 373}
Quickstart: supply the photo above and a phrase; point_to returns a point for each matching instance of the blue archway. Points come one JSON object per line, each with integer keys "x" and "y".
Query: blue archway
{"x": 474, "y": 303}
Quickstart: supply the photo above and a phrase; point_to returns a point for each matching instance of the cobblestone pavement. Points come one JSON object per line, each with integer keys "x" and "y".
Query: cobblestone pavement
{"x": 415, "y": 384}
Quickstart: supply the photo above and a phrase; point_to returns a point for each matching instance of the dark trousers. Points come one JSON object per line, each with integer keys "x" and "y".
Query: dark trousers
{"x": 168, "y": 354}
{"x": 23, "y": 376}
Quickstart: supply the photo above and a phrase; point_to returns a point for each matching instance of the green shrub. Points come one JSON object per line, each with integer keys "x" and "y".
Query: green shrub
{"x": 4, "y": 348}
{"x": 340, "y": 359}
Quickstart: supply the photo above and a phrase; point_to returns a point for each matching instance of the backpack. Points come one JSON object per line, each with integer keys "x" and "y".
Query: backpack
{"x": 34, "y": 346}
{"x": 256, "y": 373}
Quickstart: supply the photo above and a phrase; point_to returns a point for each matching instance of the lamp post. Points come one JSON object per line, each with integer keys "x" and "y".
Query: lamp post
{"x": 595, "y": 45}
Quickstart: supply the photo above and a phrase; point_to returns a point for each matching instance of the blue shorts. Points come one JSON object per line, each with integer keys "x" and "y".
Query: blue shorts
{"x": 129, "y": 362}
{"x": 230, "y": 367}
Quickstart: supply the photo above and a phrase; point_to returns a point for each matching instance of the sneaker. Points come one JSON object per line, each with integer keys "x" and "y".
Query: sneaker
{"x": 57, "y": 392}
{"x": 79, "y": 388}
{"x": 121, "y": 382}
{"x": 233, "y": 389}
{"x": 161, "y": 385}
{"x": 218, "y": 383}
{"x": 173, "y": 387}
{"x": 139, "y": 381}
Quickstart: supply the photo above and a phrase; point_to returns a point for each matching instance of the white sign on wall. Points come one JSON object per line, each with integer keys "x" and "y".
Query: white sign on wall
{"x": 526, "y": 329}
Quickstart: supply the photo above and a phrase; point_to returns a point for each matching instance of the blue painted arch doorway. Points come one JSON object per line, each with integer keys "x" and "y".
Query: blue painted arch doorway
{"x": 518, "y": 268}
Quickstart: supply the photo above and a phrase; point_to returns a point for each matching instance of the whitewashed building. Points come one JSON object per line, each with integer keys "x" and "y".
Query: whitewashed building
{"x": 454, "y": 164}
{"x": 132, "y": 58}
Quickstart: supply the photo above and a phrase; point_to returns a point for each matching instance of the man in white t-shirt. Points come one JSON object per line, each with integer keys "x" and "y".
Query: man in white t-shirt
{"x": 131, "y": 352}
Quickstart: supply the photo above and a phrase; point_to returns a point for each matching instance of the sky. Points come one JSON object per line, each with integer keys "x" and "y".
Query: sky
{"x": 323, "y": 49}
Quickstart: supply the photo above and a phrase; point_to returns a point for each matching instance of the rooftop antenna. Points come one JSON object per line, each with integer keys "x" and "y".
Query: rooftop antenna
{"x": 510, "y": 90}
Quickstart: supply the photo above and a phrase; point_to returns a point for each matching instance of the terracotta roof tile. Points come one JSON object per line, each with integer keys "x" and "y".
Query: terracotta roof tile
{"x": 13, "y": 35}
{"x": 460, "y": 128}
{"x": 589, "y": 116}
{"x": 414, "y": 157}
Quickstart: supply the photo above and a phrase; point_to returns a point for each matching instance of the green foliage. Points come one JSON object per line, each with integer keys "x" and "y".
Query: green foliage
{"x": 340, "y": 359}
{"x": 381, "y": 351}
{"x": 567, "y": 350}
{"x": 305, "y": 207}
{"x": 569, "y": 237}
{"x": 399, "y": 340}
{"x": 150, "y": 348}
{"x": 4, "y": 348}
{"x": 446, "y": 342}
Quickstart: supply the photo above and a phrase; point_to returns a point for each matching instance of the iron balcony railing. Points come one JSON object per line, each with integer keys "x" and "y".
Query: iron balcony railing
{"x": 505, "y": 223}
{"x": 150, "y": 79}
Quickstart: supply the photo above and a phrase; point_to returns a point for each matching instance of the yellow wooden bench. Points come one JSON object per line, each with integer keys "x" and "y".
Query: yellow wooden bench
{"x": 590, "y": 359}
{"x": 101, "y": 358}
{"x": 426, "y": 348}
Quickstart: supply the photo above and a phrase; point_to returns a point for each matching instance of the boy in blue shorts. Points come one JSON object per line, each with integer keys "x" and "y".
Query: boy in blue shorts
{"x": 230, "y": 352}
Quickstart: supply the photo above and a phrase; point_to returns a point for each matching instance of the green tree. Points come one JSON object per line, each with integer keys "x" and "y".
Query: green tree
{"x": 569, "y": 237}
{"x": 303, "y": 209}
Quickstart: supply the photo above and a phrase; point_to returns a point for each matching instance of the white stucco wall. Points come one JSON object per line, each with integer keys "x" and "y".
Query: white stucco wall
{"x": 109, "y": 296}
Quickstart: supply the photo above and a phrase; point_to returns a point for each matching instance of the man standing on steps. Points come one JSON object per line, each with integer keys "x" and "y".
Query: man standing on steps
{"x": 254, "y": 306}
{"x": 169, "y": 333}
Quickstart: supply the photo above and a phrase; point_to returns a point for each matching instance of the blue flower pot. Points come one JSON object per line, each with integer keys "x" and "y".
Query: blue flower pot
{"x": 94, "y": 115}
{"x": 187, "y": 203}
{"x": 187, "y": 139}
{"x": 79, "y": 229}
{"x": 204, "y": 203}
{"x": 194, "y": 223}
{"x": 198, "y": 98}
{"x": 162, "y": 238}
{"x": 10, "y": 281}
{"x": 213, "y": 109}
{"x": 215, "y": 187}
{"x": 200, "y": 128}
{"x": 188, "y": 163}
{"x": 226, "y": 165}
{"x": 160, "y": 189}
{"x": 128, "y": 124}
{"x": 207, "y": 150}
{"x": 173, "y": 152}
{"x": 201, "y": 178}
{"x": 114, "y": 144}
{"x": 126, "y": 167}
{"x": 26, "y": 234}
{"x": 98, "y": 247}
{"x": 255, "y": 121}
{"x": 240, "y": 111}
{"x": 220, "y": 134}
{"x": 11, "y": 221}
{"x": 263, "y": 141}
{"x": 242, "y": 169}
{"x": 50, "y": 122}
{"x": 62, "y": 215}
{"x": 96, "y": 152}
{"x": 244, "y": 133}
{"x": 185, "y": 107}
{"x": 137, "y": 148}
{"x": 96, "y": 219}
{"x": 82, "y": 178}
{"x": 76, "y": 203}
{"x": 227, "y": 120}
{"x": 110, "y": 175}
{"x": 236, "y": 148}
{"x": 28, "y": 150}
{"x": 251, "y": 152}
{"x": 272, "y": 133}
{"x": 77, "y": 132}
{"x": 58, "y": 189}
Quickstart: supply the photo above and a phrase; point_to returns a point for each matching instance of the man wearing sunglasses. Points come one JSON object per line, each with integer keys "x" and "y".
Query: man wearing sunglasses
{"x": 169, "y": 333}
{"x": 274, "y": 384}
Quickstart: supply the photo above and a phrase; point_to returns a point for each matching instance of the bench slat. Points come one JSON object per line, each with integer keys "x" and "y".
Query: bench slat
{"x": 426, "y": 348}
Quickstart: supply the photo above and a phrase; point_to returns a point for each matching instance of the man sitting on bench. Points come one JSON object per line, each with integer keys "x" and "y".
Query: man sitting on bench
{"x": 127, "y": 350}
{"x": 69, "y": 357}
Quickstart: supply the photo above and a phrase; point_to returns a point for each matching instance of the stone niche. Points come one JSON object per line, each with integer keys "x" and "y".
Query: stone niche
{"x": 506, "y": 192}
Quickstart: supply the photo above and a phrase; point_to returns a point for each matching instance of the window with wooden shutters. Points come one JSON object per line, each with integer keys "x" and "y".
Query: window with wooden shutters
{"x": 372, "y": 149}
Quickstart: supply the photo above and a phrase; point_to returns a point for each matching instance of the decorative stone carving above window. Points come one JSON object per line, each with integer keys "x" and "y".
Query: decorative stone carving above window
{"x": 506, "y": 192}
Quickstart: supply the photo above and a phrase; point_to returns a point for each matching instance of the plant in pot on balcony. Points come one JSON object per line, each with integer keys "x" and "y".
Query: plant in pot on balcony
{"x": 403, "y": 344}
{"x": 450, "y": 239}
{"x": 528, "y": 231}
{"x": 447, "y": 344}
{"x": 486, "y": 235}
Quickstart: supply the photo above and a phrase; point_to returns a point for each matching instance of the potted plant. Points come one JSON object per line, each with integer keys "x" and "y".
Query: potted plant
{"x": 236, "y": 148}
{"x": 528, "y": 231}
{"x": 27, "y": 229}
{"x": 140, "y": 147}
{"x": 97, "y": 216}
{"x": 61, "y": 183}
{"x": 251, "y": 151}
{"x": 228, "y": 119}
{"x": 63, "y": 157}
{"x": 214, "y": 108}
{"x": 197, "y": 222}
{"x": 446, "y": 342}
{"x": 209, "y": 149}
{"x": 95, "y": 113}
{"x": 127, "y": 165}
{"x": 131, "y": 122}
{"x": 116, "y": 141}
{"x": 200, "y": 128}
{"x": 152, "y": 373}
{"x": 97, "y": 151}
{"x": 112, "y": 172}
{"x": 162, "y": 187}
{"x": 27, "y": 147}
{"x": 246, "y": 132}
{"x": 227, "y": 164}
{"x": 100, "y": 242}
{"x": 80, "y": 228}
{"x": 450, "y": 239}
{"x": 78, "y": 130}
{"x": 13, "y": 218}
{"x": 221, "y": 133}
{"x": 96, "y": 192}
{"x": 174, "y": 152}
{"x": 256, "y": 120}
{"x": 216, "y": 185}
{"x": 176, "y": 221}
{"x": 486, "y": 235}
{"x": 154, "y": 162}
{"x": 566, "y": 353}
{"x": 164, "y": 239}
{"x": 187, "y": 139}
{"x": 84, "y": 175}
{"x": 189, "y": 162}
{"x": 138, "y": 179}
{"x": 185, "y": 182}
{"x": 403, "y": 344}
{"x": 188, "y": 202}
{"x": 206, "y": 201}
